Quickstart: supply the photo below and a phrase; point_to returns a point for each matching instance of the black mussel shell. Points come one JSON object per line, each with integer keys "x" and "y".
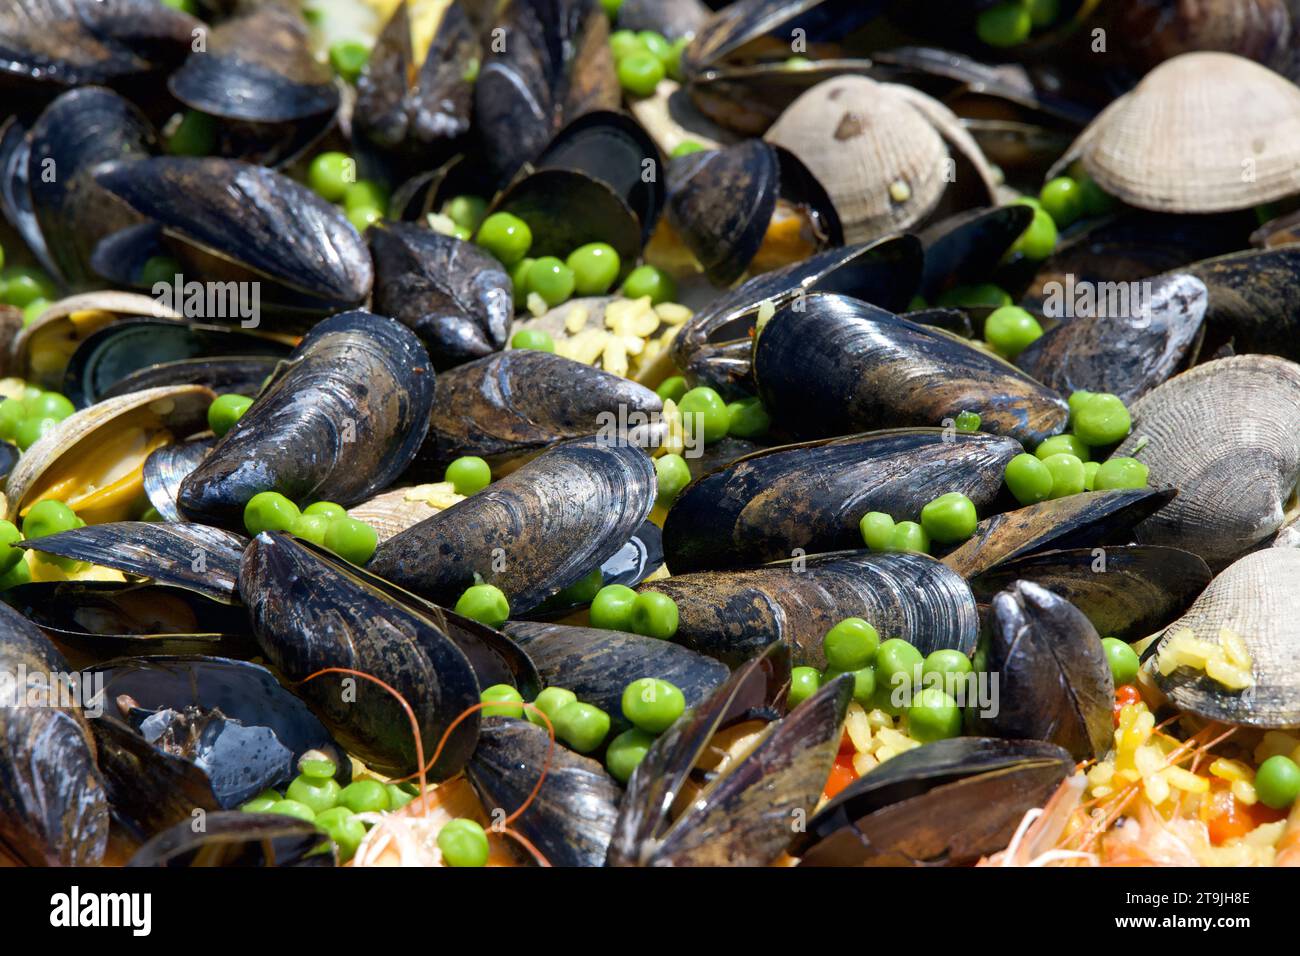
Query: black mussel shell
{"x": 967, "y": 247}
{"x": 15, "y": 194}
{"x": 1249, "y": 295}
{"x": 233, "y": 838}
{"x": 455, "y": 297}
{"x": 669, "y": 18}
{"x": 166, "y": 468}
{"x": 340, "y": 423}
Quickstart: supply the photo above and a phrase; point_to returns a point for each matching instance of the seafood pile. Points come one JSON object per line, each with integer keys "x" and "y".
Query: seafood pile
{"x": 649, "y": 433}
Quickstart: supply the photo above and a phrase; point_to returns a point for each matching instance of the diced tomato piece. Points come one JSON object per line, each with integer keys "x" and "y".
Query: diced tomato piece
{"x": 1125, "y": 694}
{"x": 842, "y": 774}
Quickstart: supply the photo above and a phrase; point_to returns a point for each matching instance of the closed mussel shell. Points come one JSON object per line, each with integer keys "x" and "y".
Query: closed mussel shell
{"x": 235, "y": 838}
{"x": 835, "y": 365}
{"x": 765, "y": 505}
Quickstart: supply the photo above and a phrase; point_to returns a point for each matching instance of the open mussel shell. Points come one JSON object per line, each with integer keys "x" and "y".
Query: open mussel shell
{"x": 148, "y": 353}
{"x": 68, "y": 43}
{"x": 721, "y": 203}
{"x": 556, "y": 67}
{"x": 1075, "y": 521}
{"x": 588, "y": 186}
{"x": 513, "y": 404}
{"x": 310, "y": 611}
{"x": 166, "y": 468}
{"x": 715, "y": 342}
{"x": 1054, "y": 682}
{"x": 831, "y": 365}
{"x": 1126, "y": 591}
{"x": 1258, "y": 598}
{"x": 257, "y": 67}
{"x": 967, "y": 247}
{"x": 185, "y": 555}
{"x": 947, "y": 803}
{"x": 53, "y": 809}
{"x": 811, "y": 496}
{"x": 531, "y": 533}
{"x": 1126, "y": 345}
{"x": 1226, "y": 434}
{"x": 230, "y": 220}
{"x": 1248, "y": 307}
{"x": 1174, "y": 144}
{"x": 571, "y": 816}
{"x": 597, "y": 665}
{"x": 104, "y": 440}
{"x": 96, "y": 621}
{"x": 741, "y": 815}
{"x": 79, "y": 130}
{"x": 731, "y": 615}
{"x": 234, "y": 838}
{"x": 341, "y": 422}
{"x": 418, "y": 101}
{"x": 15, "y": 192}
{"x": 455, "y": 297}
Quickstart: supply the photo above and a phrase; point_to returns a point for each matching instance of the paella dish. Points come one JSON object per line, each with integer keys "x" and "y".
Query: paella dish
{"x": 649, "y": 433}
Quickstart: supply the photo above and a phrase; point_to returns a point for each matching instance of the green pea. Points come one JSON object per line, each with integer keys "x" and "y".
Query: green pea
{"x": 463, "y": 843}
{"x": 314, "y": 792}
{"x": 397, "y": 797}
{"x": 1062, "y": 199}
{"x": 1066, "y": 444}
{"x": 1010, "y": 330}
{"x": 647, "y": 280}
{"x": 317, "y": 766}
{"x": 505, "y": 236}
{"x": 672, "y": 475}
{"x": 1067, "y": 474}
{"x": 50, "y": 405}
{"x": 624, "y": 43}
{"x": 933, "y": 715}
{"x": 1096, "y": 201}
{"x": 583, "y": 590}
{"x": 185, "y": 6}
{"x": 657, "y": 45}
{"x": 157, "y": 269}
{"x": 686, "y": 147}
{"x": 34, "y": 310}
{"x": 1101, "y": 419}
{"x": 467, "y": 211}
{"x": 1277, "y": 782}
{"x": 1039, "y": 239}
{"x": 344, "y": 829}
{"x": 967, "y": 422}
{"x": 9, "y": 555}
{"x": 1042, "y": 13}
{"x": 362, "y": 217}
{"x": 293, "y": 808}
{"x": 985, "y": 295}
{"x": 1123, "y": 661}
{"x": 13, "y": 411}
{"x": 469, "y": 473}
{"x": 595, "y": 266}
{"x": 672, "y": 388}
{"x": 639, "y": 73}
{"x": 260, "y": 804}
{"x": 611, "y": 609}
{"x": 539, "y": 340}
{"x": 551, "y": 279}
{"x": 1090, "y": 469}
{"x": 909, "y": 536}
{"x": 519, "y": 280}
{"x": 225, "y": 410}
{"x": 327, "y": 509}
{"x": 898, "y": 664}
{"x": 675, "y": 60}
{"x": 1006, "y": 24}
{"x": 49, "y": 517}
{"x": 749, "y": 419}
{"x": 877, "y": 530}
{"x": 864, "y": 683}
{"x": 330, "y": 174}
{"x": 507, "y": 700}
{"x": 851, "y": 644}
{"x": 950, "y": 518}
{"x": 582, "y": 726}
{"x": 946, "y": 661}
{"x": 349, "y": 58}
{"x": 1121, "y": 473}
{"x": 804, "y": 682}
{"x": 32, "y": 430}
{"x": 351, "y": 540}
{"x": 653, "y": 705}
{"x": 485, "y": 603}
{"x": 365, "y": 194}
{"x": 195, "y": 135}
{"x": 311, "y": 528}
{"x": 1028, "y": 479}
{"x": 705, "y": 414}
{"x": 626, "y": 751}
{"x": 20, "y": 573}
{"x": 550, "y": 702}
{"x": 654, "y": 615}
